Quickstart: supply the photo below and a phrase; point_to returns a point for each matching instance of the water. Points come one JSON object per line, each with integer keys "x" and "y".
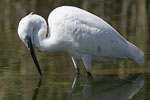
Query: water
{"x": 19, "y": 79}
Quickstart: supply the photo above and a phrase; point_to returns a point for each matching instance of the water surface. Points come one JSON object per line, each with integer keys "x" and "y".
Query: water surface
{"x": 19, "y": 79}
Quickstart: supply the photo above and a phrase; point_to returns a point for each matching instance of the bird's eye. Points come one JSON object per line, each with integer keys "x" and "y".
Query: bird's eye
{"x": 28, "y": 37}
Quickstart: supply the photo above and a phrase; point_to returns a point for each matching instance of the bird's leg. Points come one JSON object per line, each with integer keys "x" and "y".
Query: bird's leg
{"x": 87, "y": 63}
{"x": 76, "y": 63}
{"x": 75, "y": 82}
{"x": 87, "y": 90}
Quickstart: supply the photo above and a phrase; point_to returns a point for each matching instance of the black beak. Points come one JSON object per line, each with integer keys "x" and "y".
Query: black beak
{"x": 32, "y": 52}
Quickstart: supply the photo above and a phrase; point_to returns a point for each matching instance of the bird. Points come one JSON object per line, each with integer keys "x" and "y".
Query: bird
{"x": 83, "y": 35}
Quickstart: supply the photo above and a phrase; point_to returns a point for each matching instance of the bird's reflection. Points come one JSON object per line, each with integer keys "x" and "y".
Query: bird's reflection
{"x": 37, "y": 90}
{"x": 106, "y": 89}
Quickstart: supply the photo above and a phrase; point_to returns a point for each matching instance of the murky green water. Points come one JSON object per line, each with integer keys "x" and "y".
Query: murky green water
{"x": 19, "y": 79}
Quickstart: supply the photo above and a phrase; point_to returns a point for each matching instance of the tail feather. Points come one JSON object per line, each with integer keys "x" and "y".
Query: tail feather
{"x": 136, "y": 54}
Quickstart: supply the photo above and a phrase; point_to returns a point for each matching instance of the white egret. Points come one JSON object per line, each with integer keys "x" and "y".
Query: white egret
{"x": 83, "y": 35}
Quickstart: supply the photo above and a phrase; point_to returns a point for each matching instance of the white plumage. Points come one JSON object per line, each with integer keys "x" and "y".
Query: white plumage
{"x": 83, "y": 35}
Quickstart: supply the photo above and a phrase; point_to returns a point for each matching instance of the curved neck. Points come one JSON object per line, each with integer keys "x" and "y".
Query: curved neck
{"x": 39, "y": 38}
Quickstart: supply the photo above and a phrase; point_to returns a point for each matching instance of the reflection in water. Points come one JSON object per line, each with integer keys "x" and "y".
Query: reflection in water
{"x": 18, "y": 76}
{"x": 106, "y": 89}
{"x": 37, "y": 90}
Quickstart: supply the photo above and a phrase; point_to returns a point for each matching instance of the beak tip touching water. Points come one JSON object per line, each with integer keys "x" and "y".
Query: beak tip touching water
{"x": 32, "y": 52}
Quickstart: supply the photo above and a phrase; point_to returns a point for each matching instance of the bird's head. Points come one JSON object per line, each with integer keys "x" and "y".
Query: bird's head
{"x": 25, "y": 29}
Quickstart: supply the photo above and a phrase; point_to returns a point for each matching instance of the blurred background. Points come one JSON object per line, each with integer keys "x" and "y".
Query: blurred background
{"x": 18, "y": 75}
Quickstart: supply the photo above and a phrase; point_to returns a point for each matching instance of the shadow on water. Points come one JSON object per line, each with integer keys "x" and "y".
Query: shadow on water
{"x": 106, "y": 89}
{"x": 37, "y": 90}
